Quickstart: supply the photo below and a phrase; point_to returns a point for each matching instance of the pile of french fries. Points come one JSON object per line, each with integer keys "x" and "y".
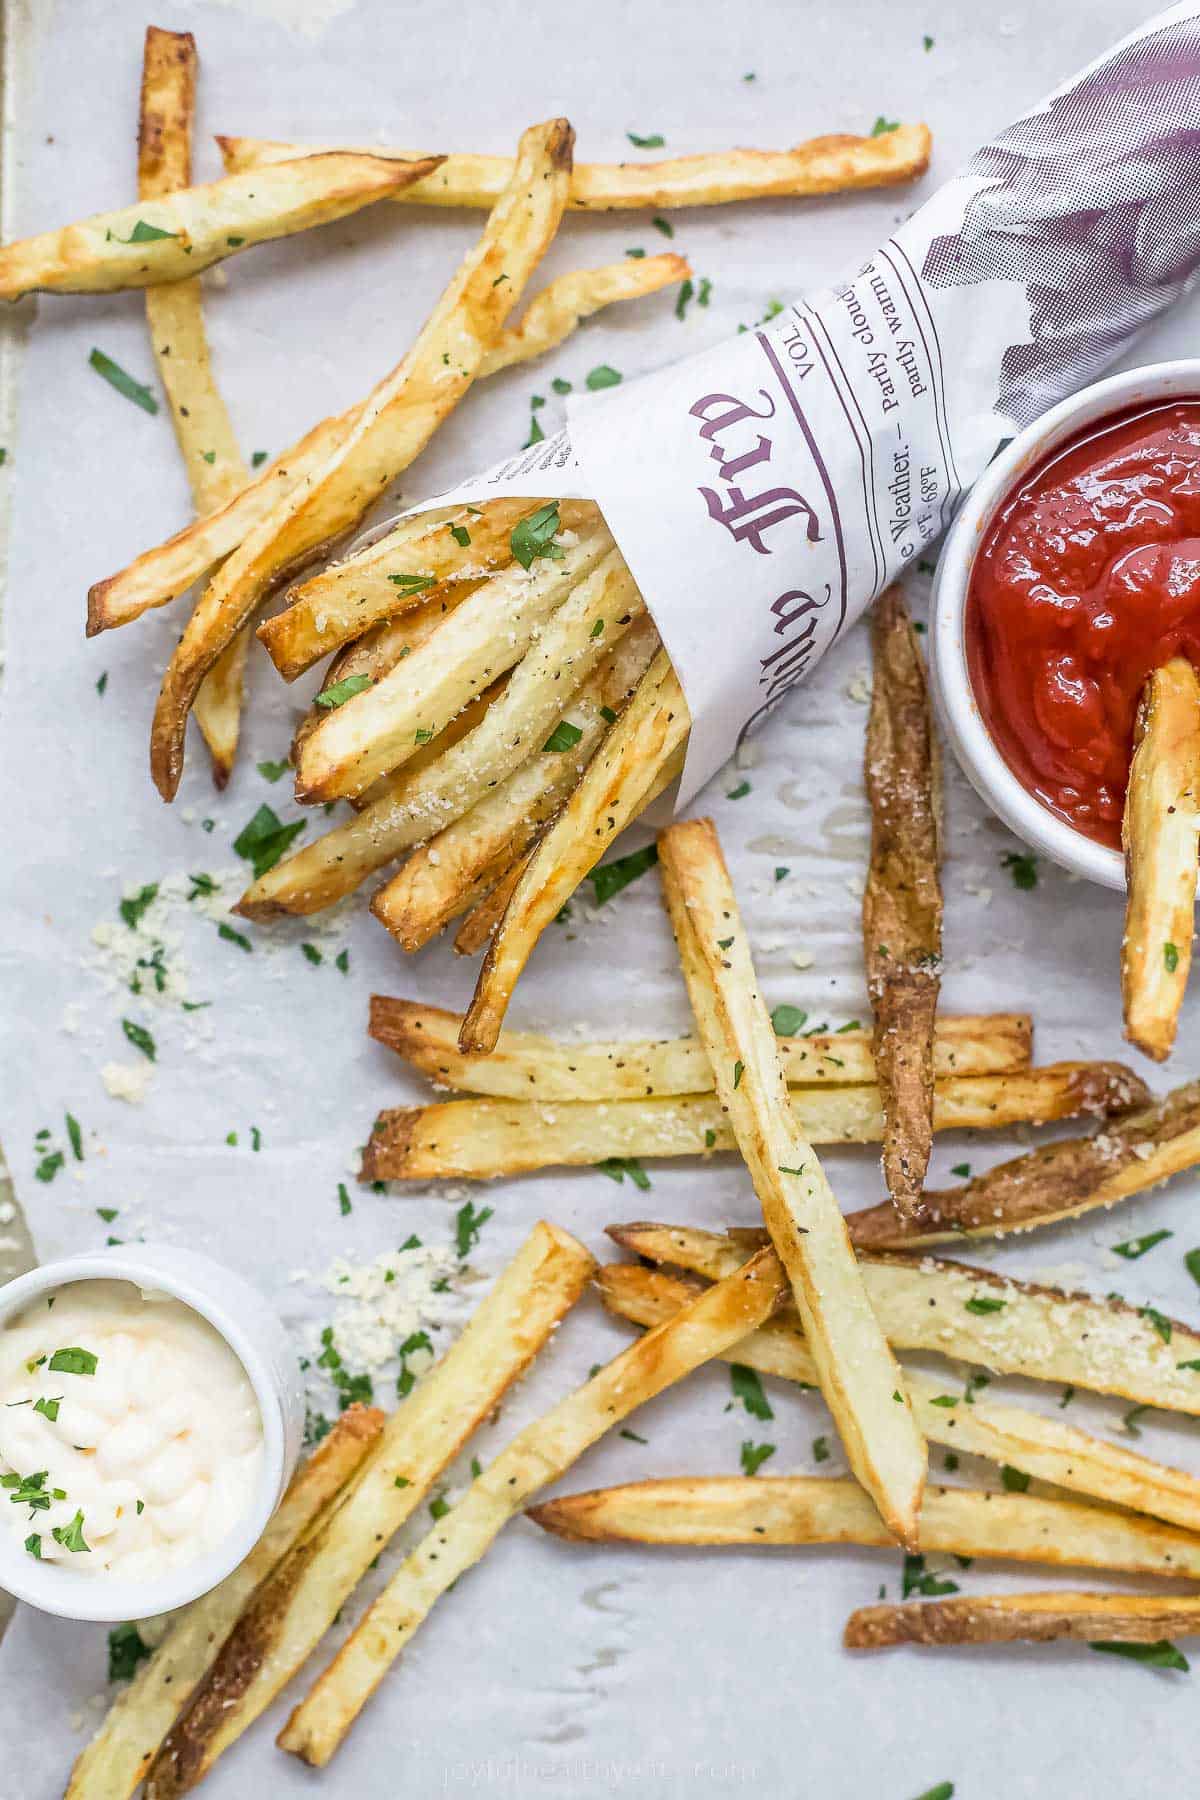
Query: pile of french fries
{"x": 495, "y": 684}
{"x": 497, "y": 708}
{"x": 809, "y": 1297}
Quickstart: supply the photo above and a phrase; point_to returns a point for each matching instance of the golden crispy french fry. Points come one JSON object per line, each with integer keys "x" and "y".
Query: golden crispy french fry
{"x": 1030, "y": 1618}
{"x": 396, "y": 421}
{"x": 536, "y": 1456}
{"x": 1011, "y": 1327}
{"x": 482, "y": 922}
{"x": 902, "y": 900}
{"x": 823, "y": 165}
{"x": 526, "y": 1065}
{"x": 459, "y": 866}
{"x": 380, "y": 729}
{"x": 566, "y": 302}
{"x": 858, "y": 1374}
{"x": 178, "y": 234}
{"x": 161, "y": 574}
{"x": 814, "y": 1509}
{"x": 1160, "y": 833}
{"x": 403, "y": 569}
{"x": 1054, "y": 1182}
{"x": 621, "y": 779}
{"x": 116, "y": 1759}
{"x": 1043, "y": 1447}
{"x": 175, "y": 315}
{"x": 292, "y": 1610}
{"x": 481, "y": 1137}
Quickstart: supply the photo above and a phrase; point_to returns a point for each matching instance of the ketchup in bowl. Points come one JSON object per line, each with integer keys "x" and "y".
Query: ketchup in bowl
{"x": 1087, "y": 579}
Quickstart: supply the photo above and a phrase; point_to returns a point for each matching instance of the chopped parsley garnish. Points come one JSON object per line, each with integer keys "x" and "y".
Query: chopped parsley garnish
{"x": 272, "y": 771}
{"x": 820, "y": 1449}
{"x": 49, "y": 1166}
{"x": 787, "y": 1020}
{"x": 536, "y": 434}
{"x": 611, "y": 877}
{"x": 974, "y": 1383}
{"x": 597, "y": 629}
{"x": 739, "y": 1069}
{"x": 340, "y": 692}
{"x": 980, "y": 1303}
{"x": 1160, "y": 1655}
{"x": 618, "y": 1167}
{"x": 406, "y": 1380}
{"x": 603, "y": 376}
{"x": 739, "y": 792}
{"x": 73, "y": 1361}
{"x": 754, "y": 1456}
{"x": 461, "y": 536}
{"x": 1132, "y": 1248}
{"x": 683, "y": 298}
{"x": 76, "y": 1137}
{"x": 102, "y": 682}
{"x": 565, "y": 736}
{"x": 710, "y": 1138}
{"x": 116, "y": 377}
{"x": 916, "y": 1579}
{"x": 1170, "y": 958}
{"x": 125, "y": 1651}
{"x": 782, "y": 872}
{"x": 133, "y": 909}
{"x": 48, "y": 1406}
{"x": 883, "y": 125}
{"x": 468, "y": 1224}
{"x": 534, "y": 536}
{"x": 1022, "y": 867}
{"x": 655, "y": 141}
{"x": 1016, "y": 1481}
{"x": 633, "y": 1436}
{"x": 748, "y": 1388}
{"x": 33, "y": 1544}
{"x": 927, "y": 44}
{"x": 560, "y": 386}
{"x": 608, "y": 715}
{"x": 944, "y": 1789}
{"x": 663, "y": 225}
{"x": 963, "y": 1169}
{"x": 349, "y": 1387}
{"x": 1129, "y": 1420}
{"x": 1068, "y": 1394}
{"x": 312, "y": 955}
{"x": 344, "y": 1205}
{"x": 259, "y": 458}
{"x": 439, "y": 1506}
{"x": 342, "y": 961}
{"x": 635, "y": 253}
{"x": 944, "y": 1400}
{"x": 71, "y": 1536}
{"x": 410, "y": 584}
{"x": 140, "y": 1038}
{"x": 231, "y": 936}
{"x": 1191, "y": 1263}
{"x": 1158, "y": 1320}
{"x": 142, "y": 233}
{"x": 263, "y": 841}
{"x": 423, "y": 735}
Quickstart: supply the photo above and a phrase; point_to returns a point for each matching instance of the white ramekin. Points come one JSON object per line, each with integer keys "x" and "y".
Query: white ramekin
{"x": 257, "y": 1337}
{"x": 961, "y": 719}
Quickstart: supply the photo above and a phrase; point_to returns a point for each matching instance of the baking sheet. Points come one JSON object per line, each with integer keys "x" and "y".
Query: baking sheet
{"x": 584, "y": 1672}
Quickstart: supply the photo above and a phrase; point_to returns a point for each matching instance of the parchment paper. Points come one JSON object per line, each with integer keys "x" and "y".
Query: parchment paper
{"x": 580, "y": 1672}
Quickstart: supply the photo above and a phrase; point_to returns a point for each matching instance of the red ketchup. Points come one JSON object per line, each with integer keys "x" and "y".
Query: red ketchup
{"x": 1086, "y": 580}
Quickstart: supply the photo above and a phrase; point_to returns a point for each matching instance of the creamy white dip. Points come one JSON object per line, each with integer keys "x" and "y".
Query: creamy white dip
{"x": 130, "y": 1437}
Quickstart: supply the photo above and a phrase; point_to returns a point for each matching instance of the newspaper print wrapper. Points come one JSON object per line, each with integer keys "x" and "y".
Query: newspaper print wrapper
{"x": 765, "y": 492}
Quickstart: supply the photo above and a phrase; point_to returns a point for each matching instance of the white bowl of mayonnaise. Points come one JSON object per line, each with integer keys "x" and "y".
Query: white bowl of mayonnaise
{"x": 151, "y": 1414}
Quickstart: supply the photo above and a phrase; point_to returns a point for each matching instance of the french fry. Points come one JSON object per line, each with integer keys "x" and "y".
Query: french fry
{"x": 858, "y": 1374}
{"x": 396, "y": 421}
{"x": 1054, "y": 1182}
{"x": 175, "y": 315}
{"x": 294, "y": 1608}
{"x": 526, "y": 1065}
{"x": 535, "y": 1457}
{"x": 379, "y": 729}
{"x": 1029, "y": 1618}
{"x": 823, "y": 165}
{"x": 337, "y": 605}
{"x": 455, "y": 869}
{"x": 161, "y": 574}
{"x": 813, "y": 1509}
{"x": 1011, "y": 1327}
{"x": 563, "y": 304}
{"x": 483, "y": 921}
{"x": 1041, "y": 1446}
{"x": 1160, "y": 833}
{"x": 902, "y": 900}
{"x": 624, "y": 775}
{"x": 482, "y": 1137}
{"x": 174, "y": 236}
{"x": 116, "y": 1759}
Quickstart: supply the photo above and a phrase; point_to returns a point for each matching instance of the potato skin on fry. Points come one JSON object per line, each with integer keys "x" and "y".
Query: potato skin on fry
{"x": 1028, "y": 1618}
{"x": 902, "y": 901}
